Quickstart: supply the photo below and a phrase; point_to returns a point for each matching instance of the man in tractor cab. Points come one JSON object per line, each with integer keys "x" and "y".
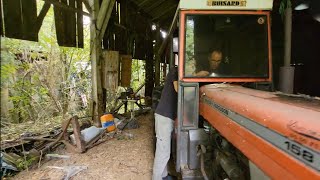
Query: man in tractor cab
{"x": 215, "y": 66}
{"x": 165, "y": 114}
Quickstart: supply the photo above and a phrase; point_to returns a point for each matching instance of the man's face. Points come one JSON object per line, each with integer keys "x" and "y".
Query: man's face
{"x": 215, "y": 60}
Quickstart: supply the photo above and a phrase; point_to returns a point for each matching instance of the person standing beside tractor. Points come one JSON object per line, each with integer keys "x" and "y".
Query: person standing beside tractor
{"x": 165, "y": 114}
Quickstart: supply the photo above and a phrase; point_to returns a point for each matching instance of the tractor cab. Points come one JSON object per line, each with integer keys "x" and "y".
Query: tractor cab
{"x": 228, "y": 39}
{"x": 219, "y": 41}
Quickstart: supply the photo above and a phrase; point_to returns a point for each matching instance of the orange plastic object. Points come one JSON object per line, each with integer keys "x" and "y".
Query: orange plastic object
{"x": 107, "y": 122}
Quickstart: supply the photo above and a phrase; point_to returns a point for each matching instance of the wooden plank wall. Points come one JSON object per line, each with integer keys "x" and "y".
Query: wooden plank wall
{"x": 131, "y": 35}
{"x": 79, "y": 26}
{"x": 20, "y": 18}
{"x": 21, "y": 21}
{"x": 110, "y": 68}
{"x": 69, "y": 29}
{"x": 126, "y": 67}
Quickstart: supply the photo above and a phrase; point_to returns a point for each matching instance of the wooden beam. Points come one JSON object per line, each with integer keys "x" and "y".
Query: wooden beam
{"x": 170, "y": 32}
{"x": 171, "y": 55}
{"x": 58, "y": 4}
{"x": 106, "y": 19}
{"x": 102, "y": 13}
{"x": 120, "y": 26}
{"x": 87, "y": 5}
{"x": 80, "y": 42}
{"x": 41, "y": 16}
{"x": 95, "y": 51}
{"x": 142, "y": 3}
{"x": 157, "y": 56}
{"x": 138, "y": 9}
{"x": 156, "y": 4}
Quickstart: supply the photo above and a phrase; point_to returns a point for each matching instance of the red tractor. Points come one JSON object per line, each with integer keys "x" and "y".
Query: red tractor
{"x": 226, "y": 128}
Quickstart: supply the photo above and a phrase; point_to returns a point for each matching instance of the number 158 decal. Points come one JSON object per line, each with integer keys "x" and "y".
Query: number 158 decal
{"x": 298, "y": 151}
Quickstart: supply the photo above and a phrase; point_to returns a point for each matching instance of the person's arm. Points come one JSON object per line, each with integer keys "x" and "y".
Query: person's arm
{"x": 201, "y": 74}
{"x": 175, "y": 85}
{"x": 174, "y": 76}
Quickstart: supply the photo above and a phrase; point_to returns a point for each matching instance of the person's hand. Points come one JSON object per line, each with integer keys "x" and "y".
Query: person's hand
{"x": 202, "y": 73}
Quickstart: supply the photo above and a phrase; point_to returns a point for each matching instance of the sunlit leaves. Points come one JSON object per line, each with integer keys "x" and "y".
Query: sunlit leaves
{"x": 40, "y": 75}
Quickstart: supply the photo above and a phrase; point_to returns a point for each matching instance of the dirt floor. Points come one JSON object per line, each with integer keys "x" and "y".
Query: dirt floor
{"x": 128, "y": 156}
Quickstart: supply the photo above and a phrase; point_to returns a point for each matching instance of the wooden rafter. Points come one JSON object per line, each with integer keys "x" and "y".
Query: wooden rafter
{"x": 155, "y": 5}
{"x": 102, "y": 13}
{"x": 163, "y": 12}
{"x": 106, "y": 19}
{"x": 143, "y": 3}
{"x": 170, "y": 31}
{"x": 140, "y": 10}
{"x": 86, "y": 3}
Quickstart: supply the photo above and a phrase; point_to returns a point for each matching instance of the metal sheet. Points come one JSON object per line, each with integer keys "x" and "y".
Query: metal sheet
{"x": 196, "y": 137}
{"x": 188, "y": 106}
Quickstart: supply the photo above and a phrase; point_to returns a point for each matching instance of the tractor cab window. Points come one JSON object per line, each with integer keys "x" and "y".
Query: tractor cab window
{"x": 226, "y": 46}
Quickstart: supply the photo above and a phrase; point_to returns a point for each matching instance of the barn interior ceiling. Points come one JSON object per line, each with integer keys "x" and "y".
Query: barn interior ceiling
{"x": 161, "y": 11}
{"x": 19, "y": 19}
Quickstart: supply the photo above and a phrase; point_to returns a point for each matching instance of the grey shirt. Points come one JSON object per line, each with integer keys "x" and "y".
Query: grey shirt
{"x": 168, "y": 103}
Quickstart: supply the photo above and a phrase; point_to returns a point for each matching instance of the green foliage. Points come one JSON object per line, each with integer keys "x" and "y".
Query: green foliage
{"x": 24, "y": 164}
{"x": 42, "y": 77}
{"x": 8, "y": 67}
{"x": 190, "y": 40}
{"x": 138, "y": 73}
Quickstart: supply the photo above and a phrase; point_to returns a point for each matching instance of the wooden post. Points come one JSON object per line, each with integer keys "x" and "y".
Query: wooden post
{"x": 157, "y": 56}
{"x": 149, "y": 70}
{"x": 287, "y": 36}
{"x": 95, "y": 50}
{"x": 77, "y": 134}
{"x": 100, "y": 19}
{"x": 286, "y": 81}
{"x": 102, "y": 13}
{"x": 106, "y": 19}
{"x": 171, "y": 56}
